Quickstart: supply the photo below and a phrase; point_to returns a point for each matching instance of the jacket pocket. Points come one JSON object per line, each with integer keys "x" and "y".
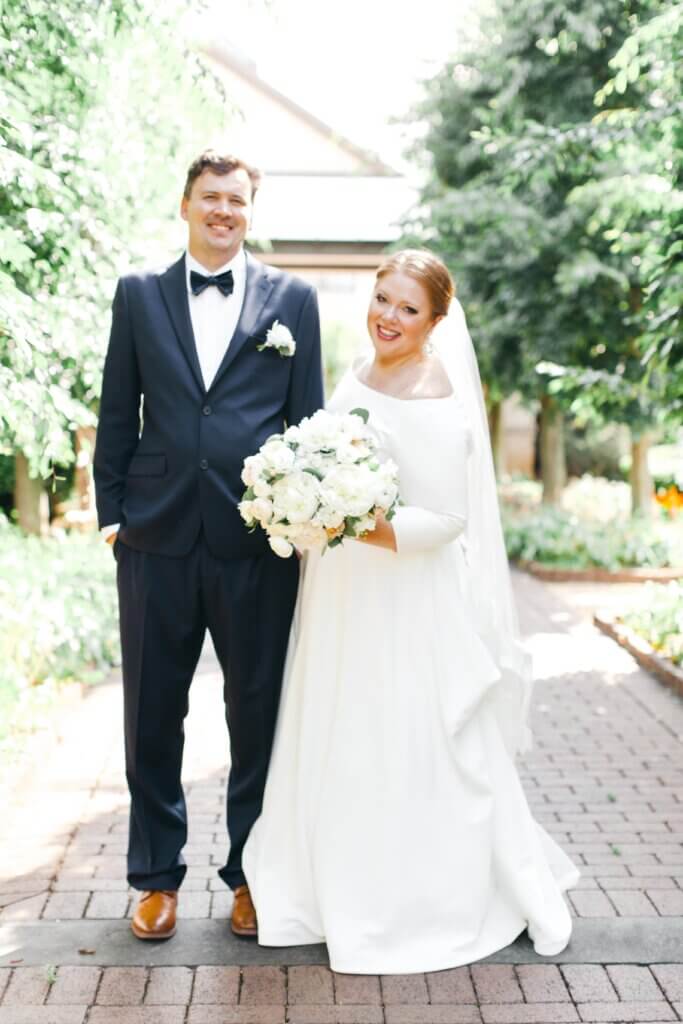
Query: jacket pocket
{"x": 147, "y": 465}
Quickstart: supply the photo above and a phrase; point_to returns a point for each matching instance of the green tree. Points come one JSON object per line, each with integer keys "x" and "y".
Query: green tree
{"x": 632, "y": 216}
{"x": 102, "y": 108}
{"x": 500, "y": 204}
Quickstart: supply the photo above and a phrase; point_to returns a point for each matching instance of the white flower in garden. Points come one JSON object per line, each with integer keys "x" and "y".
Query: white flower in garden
{"x": 281, "y": 546}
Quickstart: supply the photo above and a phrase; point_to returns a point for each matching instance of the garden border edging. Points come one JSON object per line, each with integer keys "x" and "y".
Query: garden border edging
{"x": 641, "y": 650}
{"x": 550, "y": 574}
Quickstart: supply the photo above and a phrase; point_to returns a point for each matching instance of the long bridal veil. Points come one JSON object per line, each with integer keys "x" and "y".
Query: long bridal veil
{"x": 489, "y": 584}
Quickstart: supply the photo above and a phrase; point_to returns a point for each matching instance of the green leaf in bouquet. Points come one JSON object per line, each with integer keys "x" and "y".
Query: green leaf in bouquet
{"x": 334, "y": 542}
{"x": 314, "y": 472}
{"x": 248, "y": 494}
{"x": 363, "y": 413}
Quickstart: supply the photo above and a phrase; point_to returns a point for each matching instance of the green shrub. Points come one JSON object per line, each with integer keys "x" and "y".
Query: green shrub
{"x": 559, "y": 538}
{"x": 59, "y": 612}
{"x": 659, "y": 619}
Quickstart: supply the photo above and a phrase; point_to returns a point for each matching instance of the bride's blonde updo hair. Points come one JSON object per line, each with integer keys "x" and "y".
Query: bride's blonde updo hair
{"x": 426, "y": 268}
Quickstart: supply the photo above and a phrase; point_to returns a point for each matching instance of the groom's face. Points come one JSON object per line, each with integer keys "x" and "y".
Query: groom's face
{"x": 218, "y": 214}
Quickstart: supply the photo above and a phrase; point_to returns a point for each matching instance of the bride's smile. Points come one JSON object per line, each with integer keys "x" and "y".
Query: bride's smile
{"x": 399, "y": 317}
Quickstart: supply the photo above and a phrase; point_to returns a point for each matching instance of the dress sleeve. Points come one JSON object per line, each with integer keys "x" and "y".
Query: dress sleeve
{"x": 436, "y": 471}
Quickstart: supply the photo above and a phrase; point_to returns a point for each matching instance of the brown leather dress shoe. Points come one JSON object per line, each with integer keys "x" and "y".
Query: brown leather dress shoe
{"x": 155, "y": 915}
{"x": 243, "y": 921}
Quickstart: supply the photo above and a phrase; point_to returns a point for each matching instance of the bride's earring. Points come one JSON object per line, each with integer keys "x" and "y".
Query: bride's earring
{"x": 428, "y": 346}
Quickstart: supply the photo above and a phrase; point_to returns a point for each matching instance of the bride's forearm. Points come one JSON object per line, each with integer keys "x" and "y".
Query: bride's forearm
{"x": 382, "y": 536}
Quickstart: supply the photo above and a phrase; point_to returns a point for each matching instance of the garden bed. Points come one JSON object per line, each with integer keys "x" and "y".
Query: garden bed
{"x": 591, "y": 537}
{"x": 642, "y": 651}
{"x": 594, "y": 574}
{"x": 59, "y": 624}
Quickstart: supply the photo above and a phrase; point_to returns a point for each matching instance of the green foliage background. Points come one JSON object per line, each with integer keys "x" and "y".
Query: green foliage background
{"x": 554, "y": 154}
{"x": 102, "y": 110}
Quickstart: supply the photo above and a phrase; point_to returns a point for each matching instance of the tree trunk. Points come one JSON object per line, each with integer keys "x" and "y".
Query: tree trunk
{"x": 83, "y": 480}
{"x": 553, "y": 459}
{"x": 496, "y": 427}
{"x": 640, "y": 477}
{"x": 30, "y": 498}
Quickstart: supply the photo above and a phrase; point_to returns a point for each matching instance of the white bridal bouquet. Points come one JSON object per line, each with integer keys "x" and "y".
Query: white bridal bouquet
{"x": 318, "y": 482}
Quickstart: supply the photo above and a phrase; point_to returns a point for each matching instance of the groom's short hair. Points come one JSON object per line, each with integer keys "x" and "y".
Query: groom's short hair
{"x": 219, "y": 163}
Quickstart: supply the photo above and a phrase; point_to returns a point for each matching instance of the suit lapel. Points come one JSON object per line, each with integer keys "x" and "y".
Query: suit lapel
{"x": 258, "y": 287}
{"x": 173, "y": 284}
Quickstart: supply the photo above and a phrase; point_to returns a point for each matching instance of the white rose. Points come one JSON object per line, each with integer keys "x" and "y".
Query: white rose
{"x": 281, "y": 547}
{"x": 292, "y": 434}
{"x": 246, "y": 510}
{"x": 346, "y": 453}
{"x": 280, "y": 337}
{"x": 254, "y": 466}
{"x": 278, "y": 529}
{"x": 321, "y": 430}
{"x": 310, "y": 536}
{"x": 278, "y": 456}
{"x": 262, "y": 489}
{"x": 330, "y": 518}
{"x": 262, "y": 509}
{"x": 387, "y": 486}
{"x": 354, "y": 427}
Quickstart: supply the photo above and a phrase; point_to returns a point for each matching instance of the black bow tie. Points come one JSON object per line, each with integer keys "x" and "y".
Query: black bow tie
{"x": 224, "y": 282}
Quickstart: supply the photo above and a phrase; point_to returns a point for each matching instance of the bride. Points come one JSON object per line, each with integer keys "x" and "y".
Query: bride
{"x": 394, "y": 825}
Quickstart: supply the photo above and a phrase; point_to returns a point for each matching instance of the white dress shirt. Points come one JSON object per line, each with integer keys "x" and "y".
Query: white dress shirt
{"x": 214, "y": 315}
{"x": 214, "y": 318}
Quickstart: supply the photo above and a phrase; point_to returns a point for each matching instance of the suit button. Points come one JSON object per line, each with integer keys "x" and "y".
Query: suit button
{"x": 204, "y": 464}
{"x": 207, "y": 410}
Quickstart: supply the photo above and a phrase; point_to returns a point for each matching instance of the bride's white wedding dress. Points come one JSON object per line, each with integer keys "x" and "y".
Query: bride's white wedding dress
{"x": 394, "y": 825}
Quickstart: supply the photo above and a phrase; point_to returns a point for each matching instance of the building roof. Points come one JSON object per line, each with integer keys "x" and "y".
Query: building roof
{"x": 238, "y": 64}
{"x": 348, "y": 208}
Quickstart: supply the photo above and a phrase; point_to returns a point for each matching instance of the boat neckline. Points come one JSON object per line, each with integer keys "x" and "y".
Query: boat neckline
{"x": 395, "y": 398}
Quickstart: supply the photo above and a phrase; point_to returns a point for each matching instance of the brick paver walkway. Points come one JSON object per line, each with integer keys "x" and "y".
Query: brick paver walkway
{"x": 605, "y": 777}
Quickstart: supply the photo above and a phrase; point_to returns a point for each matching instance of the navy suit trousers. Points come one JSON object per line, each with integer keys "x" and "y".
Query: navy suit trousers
{"x": 166, "y": 605}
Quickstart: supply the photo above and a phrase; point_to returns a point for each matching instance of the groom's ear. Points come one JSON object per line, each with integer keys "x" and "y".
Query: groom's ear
{"x": 183, "y": 207}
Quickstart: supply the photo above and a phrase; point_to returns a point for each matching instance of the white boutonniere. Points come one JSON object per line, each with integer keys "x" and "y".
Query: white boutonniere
{"x": 280, "y": 338}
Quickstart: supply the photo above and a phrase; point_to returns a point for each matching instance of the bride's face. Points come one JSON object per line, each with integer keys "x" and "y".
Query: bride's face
{"x": 399, "y": 316}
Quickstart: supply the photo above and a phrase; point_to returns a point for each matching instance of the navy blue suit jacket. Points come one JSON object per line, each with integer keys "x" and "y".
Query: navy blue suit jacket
{"x": 169, "y": 453}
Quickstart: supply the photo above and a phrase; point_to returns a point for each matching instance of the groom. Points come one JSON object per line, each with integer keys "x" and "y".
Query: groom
{"x": 187, "y": 393}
